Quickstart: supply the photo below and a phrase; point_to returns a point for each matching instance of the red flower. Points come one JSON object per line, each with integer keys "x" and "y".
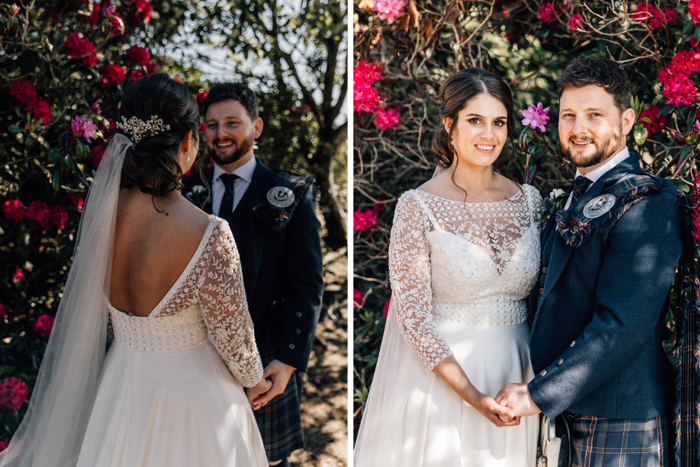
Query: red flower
{"x": 179, "y": 80}
{"x": 654, "y": 17}
{"x": 694, "y": 10}
{"x": 138, "y": 54}
{"x": 365, "y": 95}
{"x": 3, "y": 444}
{"x": 546, "y": 13}
{"x": 386, "y": 119}
{"x": 14, "y": 210}
{"x": 13, "y": 393}
{"x": 151, "y": 67}
{"x": 201, "y": 95}
{"x": 43, "y": 325}
{"x": 576, "y": 21}
{"x": 23, "y": 91}
{"x": 57, "y": 216}
{"x": 41, "y": 111}
{"x": 80, "y": 47}
{"x": 304, "y": 108}
{"x": 364, "y": 220}
{"x": 657, "y": 123}
{"x": 136, "y": 74}
{"x": 113, "y": 73}
{"x": 38, "y": 210}
{"x": 118, "y": 25}
{"x": 96, "y": 154}
{"x": 3, "y": 311}
{"x": 95, "y": 15}
{"x": 144, "y": 9}
{"x": 202, "y": 127}
{"x": 358, "y": 298}
{"x": 18, "y": 275}
{"x": 386, "y": 308}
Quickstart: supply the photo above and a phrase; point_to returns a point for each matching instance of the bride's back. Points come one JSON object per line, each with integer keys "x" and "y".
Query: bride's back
{"x": 151, "y": 249}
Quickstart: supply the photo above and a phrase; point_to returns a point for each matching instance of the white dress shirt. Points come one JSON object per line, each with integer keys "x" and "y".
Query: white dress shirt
{"x": 594, "y": 175}
{"x": 245, "y": 176}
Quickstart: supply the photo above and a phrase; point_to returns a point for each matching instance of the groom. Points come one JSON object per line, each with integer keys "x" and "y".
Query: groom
{"x": 608, "y": 262}
{"x": 273, "y": 219}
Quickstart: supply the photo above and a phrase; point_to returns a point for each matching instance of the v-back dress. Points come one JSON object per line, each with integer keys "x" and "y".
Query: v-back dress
{"x": 460, "y": 273}
{"x": 171, "y": 390}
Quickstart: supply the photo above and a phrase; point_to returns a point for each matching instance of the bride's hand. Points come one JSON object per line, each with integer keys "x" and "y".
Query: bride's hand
{"x": 497, "y": 414}
{"x": 254, "y": 393}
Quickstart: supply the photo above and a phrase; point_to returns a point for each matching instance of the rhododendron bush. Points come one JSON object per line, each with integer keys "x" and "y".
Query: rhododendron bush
{"x": 65, "y": 67}
{"x": 404, "y": 50}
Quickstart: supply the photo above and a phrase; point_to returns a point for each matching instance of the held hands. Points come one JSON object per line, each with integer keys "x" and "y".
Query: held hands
{"x": 256, "y": 391}
{"x": 516, "y": 396}
{"x": 277, "y": 375}
{"x": 497, "y": 414}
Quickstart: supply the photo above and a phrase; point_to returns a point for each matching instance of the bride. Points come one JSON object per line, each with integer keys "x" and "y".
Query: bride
{"x": 464, "y": 255}
{"x": 168, "y": 278}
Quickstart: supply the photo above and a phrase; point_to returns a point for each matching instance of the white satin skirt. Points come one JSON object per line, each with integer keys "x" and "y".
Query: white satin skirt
{"x": 176, "y": 409}
{"x": 416, "y": 420}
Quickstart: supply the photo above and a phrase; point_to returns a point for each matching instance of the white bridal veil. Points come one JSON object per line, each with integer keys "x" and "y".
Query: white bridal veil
{"x": 52, "y": 431}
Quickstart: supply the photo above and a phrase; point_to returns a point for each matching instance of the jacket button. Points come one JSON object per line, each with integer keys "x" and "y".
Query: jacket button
{"x": 291, "y": 346}
{"x": 274, "y": 302}
{"x": 544, "y": 270}
{"x": 561, "y": 360}
{"x": 298, "y": 314}
{"x": 298, "y": 331}
{"x": 572, "y": 343}
{"x": 544, "y": 372}
{"x": 541, "y": 290}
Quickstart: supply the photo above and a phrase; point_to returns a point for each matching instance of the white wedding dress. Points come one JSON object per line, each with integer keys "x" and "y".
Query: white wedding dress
{"x": 171, "y": 393}
{"x": 460, "y": 273}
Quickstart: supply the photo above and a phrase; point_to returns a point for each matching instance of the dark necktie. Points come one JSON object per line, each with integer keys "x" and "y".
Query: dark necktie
{"x": 226, "y": 207}
{"x": 579, "y": 187}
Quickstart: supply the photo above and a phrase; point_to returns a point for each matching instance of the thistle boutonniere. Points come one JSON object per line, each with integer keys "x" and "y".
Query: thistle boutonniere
{"x": 197, "y": 195}
{"x": 551, "y": 204}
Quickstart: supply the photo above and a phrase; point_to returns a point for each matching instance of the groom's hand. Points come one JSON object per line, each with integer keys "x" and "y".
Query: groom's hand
{"x": 279, "y": 373}
{"x": 517, "y": 397}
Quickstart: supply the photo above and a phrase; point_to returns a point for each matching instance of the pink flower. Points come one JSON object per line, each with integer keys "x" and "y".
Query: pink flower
{"x": 358, "y": 298}
{"x": 657, "y": 123}
{"x": 138, "y": 54}
{"x": 680, "y": 89}
{"x": 536, "y": 117}
{"x": 109, "y": 10}
{"x": 576, "y": 21}
{"x": 387, "y": 304}
{"x": 95, "y": 108}
{"x": 40, "y": 110}
{"x": 201, "y": 95}
{"x": 13, "y": 393}
{"x": 304, "y": 108}
{"x": 113, "y": 73}
{"x": 84, "y": 127}
{"x": 546, "y": 13}
{"x": 3, "y": 444}
{"x": 14, "y": 9}
{"x": 386, "y": 119}
{"x": 18, "y": 275}
{"x": 656, "y": 18}
{"x": 389, "y": 9}
{"x": 697, "y": 125}
{"x": 14, "y": 210}
{"x": 43, "y": 325}
{"x": 364, "y": 220}
{"x": 23, "y": 91}
{"x": 96, "y": 154}
{"x": 694, "y": 10}
{"x": 365, "y": 95}
{"x": 367, "y": 72}
{"x": 3, "y": 311}
{"x": 80, "y": 47}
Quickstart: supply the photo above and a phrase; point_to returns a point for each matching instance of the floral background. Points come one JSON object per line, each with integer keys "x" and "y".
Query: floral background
{"x": 405, "y": 49}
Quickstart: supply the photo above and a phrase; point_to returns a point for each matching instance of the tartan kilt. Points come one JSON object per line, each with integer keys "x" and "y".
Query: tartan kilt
{"x": 280, "y": 420}
{"x": 602, "y": 442}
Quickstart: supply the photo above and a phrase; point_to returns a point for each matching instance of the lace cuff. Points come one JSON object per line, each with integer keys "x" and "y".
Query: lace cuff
{"x": 225, "y": 311}
{"x": 409, "y": 268}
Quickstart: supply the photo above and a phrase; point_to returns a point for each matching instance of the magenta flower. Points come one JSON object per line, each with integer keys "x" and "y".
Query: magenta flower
{"x": 576, "y": 21}
{"x": 386, "y": 119}
{"x": 694, "y": 10}
{"x": 697, "y": 125}
{"x": 389, "y": 9}
{"x": 386, "y": 308}
{"x": 364, "y": 220}
{"x": 43, "y": 325}
{"x": 536, "y": 117}
{"x": 546, "y": 13}
{"x": 95, "y": 108}
{"x": 13, "y": 393}
{"x": 83, "y": 127}
{"x": 17, "y": 276}
{"x": 3, "y": 311}
{"x": 14, "y": 210}
{"x": 358, "y": 298}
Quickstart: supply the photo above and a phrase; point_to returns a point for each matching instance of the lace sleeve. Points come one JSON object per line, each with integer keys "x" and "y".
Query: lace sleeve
{"x": 225, "y": 311}
{"x": 409, "y": 268}
{"x": 536, "y": 204}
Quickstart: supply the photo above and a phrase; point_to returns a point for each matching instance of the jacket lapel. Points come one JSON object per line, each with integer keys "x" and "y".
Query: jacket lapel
{"x": 209, "y": 177}
{"x": 560, "y": 250}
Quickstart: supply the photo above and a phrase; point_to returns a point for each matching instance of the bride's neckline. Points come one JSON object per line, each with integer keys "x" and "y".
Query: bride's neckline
{"x": 510, "y": 198}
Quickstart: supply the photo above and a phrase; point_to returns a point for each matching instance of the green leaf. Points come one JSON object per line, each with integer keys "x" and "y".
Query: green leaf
{"x": 82, "y": 150}
{"x": 666, "y": 109}
{"x": 56, "y": 181}
{"x": 682, "y": 186}
{"x": 14, "y": 129}
{"x": 684, "y": 152}
{"x": 54, "y": 154}
{"x": 697, "y": 32}
{"x": 640, "y": 134}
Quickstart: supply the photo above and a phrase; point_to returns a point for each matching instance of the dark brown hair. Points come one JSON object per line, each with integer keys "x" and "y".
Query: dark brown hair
{"x": 153, "y": 164}
{"x": 455, "y": 93}
{"x": 236, "y": 91}
{"x": 584, "y": 71}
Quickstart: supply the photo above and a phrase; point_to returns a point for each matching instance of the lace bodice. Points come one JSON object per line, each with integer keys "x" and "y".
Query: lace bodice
{"x": 469, "y": 263}
{"x": 207, "y": 301}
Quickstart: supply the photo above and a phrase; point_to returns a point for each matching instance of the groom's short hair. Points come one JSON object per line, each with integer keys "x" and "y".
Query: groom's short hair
{"x": 584, "y": 71}
{"x": 236, "y": 91}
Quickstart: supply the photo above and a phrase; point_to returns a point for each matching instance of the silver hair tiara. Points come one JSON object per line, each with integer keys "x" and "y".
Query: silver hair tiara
{"x": 137, "y": 128}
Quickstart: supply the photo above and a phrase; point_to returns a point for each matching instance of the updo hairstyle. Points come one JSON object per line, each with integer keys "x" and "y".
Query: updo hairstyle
{"x": 152, "y": 163}
{"x": 456, "y": 92}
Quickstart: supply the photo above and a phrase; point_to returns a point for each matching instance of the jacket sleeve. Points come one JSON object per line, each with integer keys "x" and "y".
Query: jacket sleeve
{"x": 409, "y": 269}
{"x": 638, "y": 268}
{"x": 303, "y": 285}
{"x": 225, "y": 311}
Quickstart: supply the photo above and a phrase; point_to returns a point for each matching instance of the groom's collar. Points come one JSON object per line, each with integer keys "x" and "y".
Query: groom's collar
{"x": 596, "y": 174}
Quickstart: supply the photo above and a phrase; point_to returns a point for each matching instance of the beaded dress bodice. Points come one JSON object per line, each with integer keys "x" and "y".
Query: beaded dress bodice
{"x": 467, "y": 263}
{"x": 207, "y": 302}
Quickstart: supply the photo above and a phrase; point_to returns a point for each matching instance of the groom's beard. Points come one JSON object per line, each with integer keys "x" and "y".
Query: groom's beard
{"x": 604, "y": 150}
{"x": 231, "y": 154}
